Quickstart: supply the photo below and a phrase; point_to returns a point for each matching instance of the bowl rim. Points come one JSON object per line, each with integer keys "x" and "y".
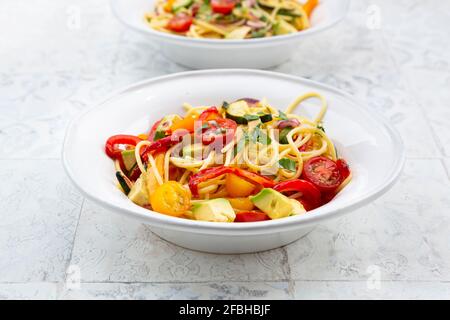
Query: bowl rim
{"x": 221, "y": 42}
{"x": 164, "y": 221}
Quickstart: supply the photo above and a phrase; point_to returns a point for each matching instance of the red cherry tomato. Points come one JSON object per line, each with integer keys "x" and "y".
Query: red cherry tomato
{"x": 323, "y": 173}
{"x": 112, "y": 144}
{"x": 218, "y": 131}
{"x": 310, "y": 198}
{"x": 209, "y": 114}
{"x": 222, "y": 6}
{"x": 180, "y": 23}
{"x": 251, "y": 216}
{"x": 163, "y": 144}
{"x": 343, "y": 167}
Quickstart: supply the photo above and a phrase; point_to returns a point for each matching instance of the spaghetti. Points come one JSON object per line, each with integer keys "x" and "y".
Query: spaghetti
{"x": 233, "y": 153}
{"x": 230, "y": 19}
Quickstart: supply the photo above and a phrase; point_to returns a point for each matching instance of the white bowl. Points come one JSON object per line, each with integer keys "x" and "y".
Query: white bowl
{"x": 217, "y": 53}
{"x": 370, "y": 145}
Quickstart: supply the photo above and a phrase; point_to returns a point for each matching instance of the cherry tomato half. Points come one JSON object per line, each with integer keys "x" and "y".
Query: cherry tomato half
{"x": 218, "y": 131}
{"x": 180, "y": 23}
{"x": 310, "y": 198}
{"x": 222, "y": 6}
{"x": 112, "y": 144}
{"x": 251, "y": 216}
{"x": 323, "y": 173}
{"x": 209, "y": 114}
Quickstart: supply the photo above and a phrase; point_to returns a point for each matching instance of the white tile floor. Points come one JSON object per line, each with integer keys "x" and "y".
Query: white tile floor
{"x": 50, "y": 72}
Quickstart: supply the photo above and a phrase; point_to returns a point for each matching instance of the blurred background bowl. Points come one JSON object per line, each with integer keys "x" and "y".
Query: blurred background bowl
{"x": 218, "y": 53}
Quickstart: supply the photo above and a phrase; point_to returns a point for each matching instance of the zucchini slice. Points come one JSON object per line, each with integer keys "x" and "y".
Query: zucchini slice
{"x": 237, "y": 110}
{"x": 124, "y": 182}
{"x": 241, "y": 113}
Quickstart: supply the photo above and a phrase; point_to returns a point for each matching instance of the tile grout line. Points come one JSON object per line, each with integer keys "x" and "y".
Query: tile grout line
{"x": 445, "y": 168}
{"x": 71, "y": 250}
{"x": 229, "y": 281}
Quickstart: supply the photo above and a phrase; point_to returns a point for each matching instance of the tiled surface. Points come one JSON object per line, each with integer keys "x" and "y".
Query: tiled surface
{"x": 53, "y": 66}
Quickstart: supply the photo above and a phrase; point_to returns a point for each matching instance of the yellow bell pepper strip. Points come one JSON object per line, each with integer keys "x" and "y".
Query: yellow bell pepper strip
{"x": 309, "y": 6}
{"x": 187, "y": 123}
{"x": 211, "y": 173}
{"x": 243, "y": 203}
{"x": 238, "y": 187}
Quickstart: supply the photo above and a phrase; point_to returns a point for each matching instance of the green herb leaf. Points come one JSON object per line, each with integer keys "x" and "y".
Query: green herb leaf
{"x": 287, "y": 164}
{"x": 159, "y": 135}
{"x": 259, "y": 136}
{"x": 225, "y": 105}
{"x": 241, "y": 143}
{"x": 251, "y": 117}
{"x": 282, "y": 115}
{"x": 283, "y": 135}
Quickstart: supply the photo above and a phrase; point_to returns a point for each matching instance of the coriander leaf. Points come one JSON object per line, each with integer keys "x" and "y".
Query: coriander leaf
{"x": 259, "y": 136}
{"x": 159, "y": 135}
{"x": 251, "y": 117}
{"x": 241, "y": 143}
{"x": 287, "y": 164}
{"x": 282, "y": 115}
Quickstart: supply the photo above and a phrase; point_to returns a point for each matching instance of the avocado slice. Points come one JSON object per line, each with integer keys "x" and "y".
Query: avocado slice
{"x": 129, "y": 160}
{"x": 138, "y": 193}
{"x": 273, "y": 203}
{"x": 283, "y": 27}
{"x": 297, "y": 207}
{"x": 238, "y": 33}
{"x": 216, "y": 210}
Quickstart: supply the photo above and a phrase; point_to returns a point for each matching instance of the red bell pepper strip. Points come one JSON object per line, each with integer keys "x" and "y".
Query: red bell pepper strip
{"x": 163, "y": 144}
{"x": 151, "y": 134}
{"x": 211, "y": 173}
{"x": 251, "y": 216}
{"x": 111, "y": 146}
{"x": 311, "y": 196}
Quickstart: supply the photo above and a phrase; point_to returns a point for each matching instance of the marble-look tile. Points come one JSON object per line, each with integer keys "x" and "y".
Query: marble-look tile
{"x": 405, "y": 234}
{"x": 446, "y": 162}
{"x": 39, "y": 211}
{"x": 28, "y": 291}
{"x": 191, "y": 291}
{"x": 361, "y": 290}
{"x": 109, "y": 247}
{"x": 362, "y": 65}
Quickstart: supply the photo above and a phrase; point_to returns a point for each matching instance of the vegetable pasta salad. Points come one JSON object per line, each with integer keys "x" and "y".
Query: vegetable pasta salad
{"x": 243, "y": 161}
{"x": 230, "y": 19}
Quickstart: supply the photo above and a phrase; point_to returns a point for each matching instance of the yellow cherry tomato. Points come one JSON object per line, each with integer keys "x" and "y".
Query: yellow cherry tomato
{"x": 238, "y": 187}
{"x": 244, "y": 203}
{"x": 171, "y": 198}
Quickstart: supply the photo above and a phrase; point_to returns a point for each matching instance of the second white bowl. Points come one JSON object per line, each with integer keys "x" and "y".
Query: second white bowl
{"x": 219, "y": 53}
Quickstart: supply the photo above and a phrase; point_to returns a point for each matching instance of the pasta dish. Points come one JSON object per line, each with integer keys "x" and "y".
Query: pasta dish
{"x": 230, "y": 19}
{"x": 241, "y": 161}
